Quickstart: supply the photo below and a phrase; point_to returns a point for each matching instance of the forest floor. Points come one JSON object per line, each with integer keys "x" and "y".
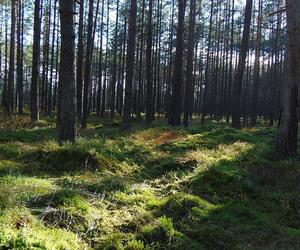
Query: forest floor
{"x": 205, "y": 187}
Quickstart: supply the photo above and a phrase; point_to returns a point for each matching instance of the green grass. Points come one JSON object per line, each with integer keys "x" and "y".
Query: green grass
{"x": 205, "y": 187}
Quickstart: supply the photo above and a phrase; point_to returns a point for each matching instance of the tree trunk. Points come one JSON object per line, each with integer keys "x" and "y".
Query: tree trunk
{"x": 236, "y": 104}
{"x": 34, "y": 105}
{"x": 256, "y": 81}
{"x": 207, "y": 69}
{"x": 286, "y": 144}
{"x": 79, "y": 69}
{"x": 114, "y": 69}
{"x": 67, "y": 123}
{"x": 176, "y": 99}
{"x": 88, "y": 61}
{"x": 11, "y": 70}
{"x": 149, "y": 66}
{"x": 20, "y": 88}
{"x": 188, "y": 99}
{"x": 50, "y": 90}
{"x": 126, "y": 121}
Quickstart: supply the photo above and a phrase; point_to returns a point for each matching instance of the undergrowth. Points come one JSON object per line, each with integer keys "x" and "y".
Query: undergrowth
{"x": 205, "y": 187}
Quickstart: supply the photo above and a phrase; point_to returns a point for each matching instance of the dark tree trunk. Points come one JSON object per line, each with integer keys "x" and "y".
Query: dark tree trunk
{"x": 256, "y": 81}
{"x": 149, "y": 66}
{"x": 20, "y": 89}
{"x": 176, "y": 99}
{"x": 11, "y": 70}
{"x": 140, "y": 71}
{"x": 237, "y": 86}
{"x": 50, "y": 90}
{"x": 286, "y": 144}
{"x": 207, "y": 69}
{"x": 168, "y": 90}
{"x": 126, "y": 121}
{"x": 88, "y": 61}
{"x": 103, "y": 105}
{"x": 4, "y": 96}
{"x": 45, "y": 62}
{"x": 79, "y": 69}
{"x": 188, "y": 99}
{"x": 100, "y": 69}
{"x": 67, "y": 107}
{"x": 114, "y": 68}
{"x": 34, "y": 104}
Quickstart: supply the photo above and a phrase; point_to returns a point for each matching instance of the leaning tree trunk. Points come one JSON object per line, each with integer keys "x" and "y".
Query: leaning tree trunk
{"x": 237, "y": 86}
{"x": 126, "y": 121}
{"x": 286, "y": 144}
{"x": 67, "y": 104}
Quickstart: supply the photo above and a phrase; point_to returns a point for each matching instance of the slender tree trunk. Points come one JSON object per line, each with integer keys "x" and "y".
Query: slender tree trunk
{"x": 114, "y": 69}
{"x": 34, "y": 104}
{"x": 140, "y": 74}
{"x": 236, "y": 105}
{"x": 103, "y": 105}
{"x": 20, "y": 88}
{"x": 230, "y": 81}
{"x": 168, "y": 90}
{"x": 79, "y": 69}
{"x": 207, "y": 69}
{"x": 190, "y": 65}
{"x": 176, "y": 99}
{"x": 126, "y": 121}
{"x": 45, "y": 62}
{"x": 11, "y": 70}
{"x": 149, "y": 66}
{"x": 4, "y": 96}
{"x": 50, "y": 90}
{"x": 100, "y": 69}
{"x": 88, "y": 61}
{"x": 256, "y": 81}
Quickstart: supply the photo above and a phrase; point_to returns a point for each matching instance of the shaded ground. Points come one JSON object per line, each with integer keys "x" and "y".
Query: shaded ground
{"x": 206, "y": 187}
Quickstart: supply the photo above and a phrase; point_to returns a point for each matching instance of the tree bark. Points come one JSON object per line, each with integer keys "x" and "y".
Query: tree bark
{"x": 79, "y": 69}
{"x": 20, "y": 88}
{"x": 126, "y": 121}
{"x": 11, "y": 70}
{"x": 256, "y": 81}
{"x": 176, "y": 99}
{"x": 237, "y": 86}
{"x": 34, "y": 105}
{"x": 67, "y": 123}
{"x": 88, "y": 61}
{"x": 149, "y": 66}
{"x": 286, "y": 144}
{"x": 188, "y": 99}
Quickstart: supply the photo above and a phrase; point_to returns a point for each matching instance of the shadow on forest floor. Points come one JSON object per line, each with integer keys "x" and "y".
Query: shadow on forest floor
{"x": 209, "y": 187}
